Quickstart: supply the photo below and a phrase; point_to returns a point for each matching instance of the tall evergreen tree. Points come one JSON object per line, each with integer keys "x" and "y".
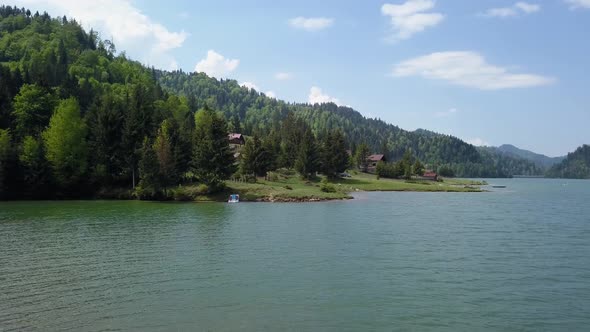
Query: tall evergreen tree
{"x": 213, "y": 161}
{"x": 36, "y": 176}
{"x": 361, "y": 157}
{"x": 5, "y": 151}
{"x": 334, "y": 159}
{"x": 164, "y": 153}
{"x": 255, "y": 157}
{"x": 308, "y": 159}
{"x": 149, "y": 172}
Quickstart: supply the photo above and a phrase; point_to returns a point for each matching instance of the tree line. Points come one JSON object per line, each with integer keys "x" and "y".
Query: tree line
{"x": 79, "y": 119}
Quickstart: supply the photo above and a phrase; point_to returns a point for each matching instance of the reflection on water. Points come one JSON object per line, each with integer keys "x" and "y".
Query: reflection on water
{"x": 512, "y": 259}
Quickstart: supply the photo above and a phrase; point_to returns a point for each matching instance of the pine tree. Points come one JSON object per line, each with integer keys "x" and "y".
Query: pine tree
{"x": 213, "y": 161}
{"x": 36, "y": 175}
{"x": 255, "y": 158}
{"x": 164, "y": 153}
{"x": 149, "y": 172}
{"x": 418, "y": 168}
{"x": 406, "y": 164}
{"x": 5, "y": 151}
{"x": 307, "y": 162}
{"x": 361, "y": 157}
{"x": 334, "y": 156}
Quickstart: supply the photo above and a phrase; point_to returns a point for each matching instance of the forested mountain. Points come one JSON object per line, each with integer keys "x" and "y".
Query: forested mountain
{"x": 77, "y": 118}
{"x": 539, "y": 159}
{"x": 259, "y": 113}
{"x": 74, "y": 115}
{"x": 575, "y": 166}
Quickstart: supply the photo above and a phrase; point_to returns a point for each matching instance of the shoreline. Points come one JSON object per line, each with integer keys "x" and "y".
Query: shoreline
{"x": 292, "y": 189}
{"x": 289, "y": 188}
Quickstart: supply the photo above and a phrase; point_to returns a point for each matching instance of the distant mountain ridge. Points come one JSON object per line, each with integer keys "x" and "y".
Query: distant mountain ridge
{"x": 540, "y": 160}
{"x": 575, "y": 166}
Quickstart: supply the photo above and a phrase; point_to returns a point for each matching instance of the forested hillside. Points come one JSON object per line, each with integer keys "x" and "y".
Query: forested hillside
{"x": 540, "y": 160}
{"x": 78, "y": 118}
{"x": 259, "y": 113}
{"x": 74, "y": 115}
{"x": 575, "y": 166}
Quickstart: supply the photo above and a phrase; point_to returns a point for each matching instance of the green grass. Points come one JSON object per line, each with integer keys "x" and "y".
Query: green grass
{"x": 293, "y": 188}
{"x": 289, "y": 187}
{"x": 369, "y": 182}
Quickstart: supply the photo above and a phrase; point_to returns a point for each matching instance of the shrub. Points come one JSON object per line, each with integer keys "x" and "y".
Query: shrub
{"x": 327, "y": 187}
{"x": 202, "y": 189}
{"x": 147, "y": 193}
{"x": 385, "y": 170}
{"x": 272, "y": 176}
{"x": 180, "y": 194}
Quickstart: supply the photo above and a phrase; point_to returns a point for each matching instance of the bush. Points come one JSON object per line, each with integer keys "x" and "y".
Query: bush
{"x": 327, "y": 187}
{"x": 180, "y": 194}
{"x": 272, "y": 177}
{"x": 285, "y": 172}
{"x": 385, "y": 170}
{"x": 147, "y": 193}
{"x": 202, "y": 189}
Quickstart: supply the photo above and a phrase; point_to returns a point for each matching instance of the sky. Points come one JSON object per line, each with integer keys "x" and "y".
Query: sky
{"x": 490, "y": 72}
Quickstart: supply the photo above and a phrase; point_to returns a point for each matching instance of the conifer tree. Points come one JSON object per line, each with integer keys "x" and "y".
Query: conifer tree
{"x": 307, "y": 162}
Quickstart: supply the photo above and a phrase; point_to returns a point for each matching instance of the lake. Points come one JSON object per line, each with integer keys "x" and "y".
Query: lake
{"x": 513, "y": 259}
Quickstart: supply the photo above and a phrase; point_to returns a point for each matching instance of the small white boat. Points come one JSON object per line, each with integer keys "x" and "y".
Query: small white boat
{"x": 234, "y": 198}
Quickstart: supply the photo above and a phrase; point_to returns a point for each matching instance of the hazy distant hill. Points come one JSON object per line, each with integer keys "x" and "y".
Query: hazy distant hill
{"x": 539, "y": 159}
{"x": 575, "y": 166}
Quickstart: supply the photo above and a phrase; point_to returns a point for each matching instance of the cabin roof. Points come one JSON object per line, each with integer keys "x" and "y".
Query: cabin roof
{"x": 376, "y": 157}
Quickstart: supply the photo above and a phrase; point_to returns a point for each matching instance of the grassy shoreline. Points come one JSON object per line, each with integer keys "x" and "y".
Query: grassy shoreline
{"x": 291, "y": 188}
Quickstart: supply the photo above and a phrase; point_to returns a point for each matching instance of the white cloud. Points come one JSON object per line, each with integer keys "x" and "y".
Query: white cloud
{"x": 528, "y": 7}
{"x": 250, "y": 85}
{"x": 468, "y": 69}
{"x": 517, "y": 9}
{"x": 316, "y": 96}
{"x": 216, "y": 65}
{"x": 120, "y": 20}
{"x": 281, "y": 76}
{"x": 411, "y": 17}
{"x": 574, "y": 4}
{"x": 501, "y": 12}
{"x": 477, "y": 142}
{"x": 447, "y": 113}
{"x": 311, "y": 23}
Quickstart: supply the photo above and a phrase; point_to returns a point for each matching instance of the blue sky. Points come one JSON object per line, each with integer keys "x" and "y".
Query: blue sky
{"x": 489, "y": 72}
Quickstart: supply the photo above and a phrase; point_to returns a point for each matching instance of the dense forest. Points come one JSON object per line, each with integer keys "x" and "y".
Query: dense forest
{"x": 259, "y": 113}
{"x": 78, "y": 118}
{"x": 540, "y": 160}
{"x": 575, "y": 166}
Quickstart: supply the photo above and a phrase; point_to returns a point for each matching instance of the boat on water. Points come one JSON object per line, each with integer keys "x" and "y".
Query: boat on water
{"x": 234, "y": 198}
{"x": 498, "y": 186}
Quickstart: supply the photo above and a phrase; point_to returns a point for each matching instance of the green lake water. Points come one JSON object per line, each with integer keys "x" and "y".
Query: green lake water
{"x": 516, "y": 259}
